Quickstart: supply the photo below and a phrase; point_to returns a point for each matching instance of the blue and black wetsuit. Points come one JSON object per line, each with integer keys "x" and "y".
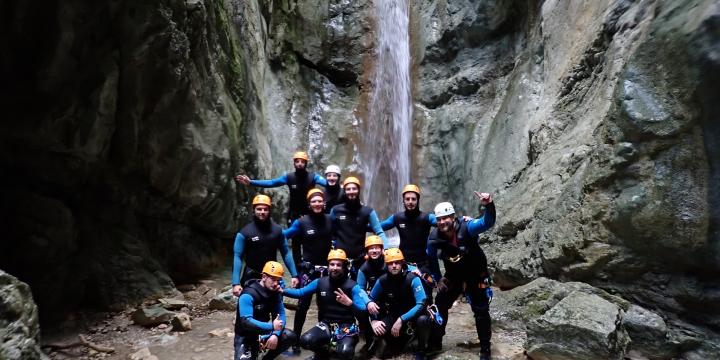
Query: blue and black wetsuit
{"x": 402, "y": 296}
{"x": 465, "y": 267}
{"x": 257, "y": 308}
{"x": 261, "y": 240}
{"x": 350, "y": 222}
{"x": 413, "y": 228}
{"x": 332, "y": 314}
{"x": 313, "y": 232}
{"x": 334, "y": 195}
{"x": 299, "y": 183}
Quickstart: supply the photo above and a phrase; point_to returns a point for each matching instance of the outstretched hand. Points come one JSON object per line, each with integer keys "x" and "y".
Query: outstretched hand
{"x": 243, "y": 179}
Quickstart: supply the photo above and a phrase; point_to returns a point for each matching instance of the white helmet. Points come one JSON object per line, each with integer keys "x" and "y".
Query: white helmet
{"x": 444, "y": 209}
{"x": 333, "y": 169}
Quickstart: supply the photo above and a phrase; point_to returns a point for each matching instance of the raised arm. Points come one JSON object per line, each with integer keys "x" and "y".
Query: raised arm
{"x": 279, "y": 181}
{"x": 298, "y": 293}
{"x": 476, "y": 226}
{"x": 293, "y": 230}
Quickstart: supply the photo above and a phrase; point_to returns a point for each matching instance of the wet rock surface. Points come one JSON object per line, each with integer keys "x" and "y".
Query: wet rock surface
{"x": 19, "y": 324}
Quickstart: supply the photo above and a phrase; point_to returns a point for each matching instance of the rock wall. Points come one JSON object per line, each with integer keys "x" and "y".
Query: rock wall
{"x": 124, "y": 124}
{"x": 19, "y": 325}
{"x": 590, "y": 122}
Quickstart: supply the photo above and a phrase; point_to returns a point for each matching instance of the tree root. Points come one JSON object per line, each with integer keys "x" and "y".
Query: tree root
{"x": 82, "y": 341}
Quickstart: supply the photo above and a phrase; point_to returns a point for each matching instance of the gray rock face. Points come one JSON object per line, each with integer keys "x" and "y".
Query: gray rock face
{"x": 581, "y": 326}
{"x": 19, "y": 325}
{"x": 127, "y": 128}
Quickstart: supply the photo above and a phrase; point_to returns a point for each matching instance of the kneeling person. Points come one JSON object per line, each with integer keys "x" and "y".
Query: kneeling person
{"x": 396, "y": 303}
{"x": 259, "y": 303}
{"x": 336, "y": 310}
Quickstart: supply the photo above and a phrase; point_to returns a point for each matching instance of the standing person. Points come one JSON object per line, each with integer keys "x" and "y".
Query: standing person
{"x": 374, "y": 266}
{"x": 413, "y": 226}
{"x": 333, "y": 191}
{"x": 313, "y": 232}
{"x": 261, "y": 317}
{"x": 299, "y": 182}
{"x": 350, "y": 221}
{"x": 261, "y": 239}
{"x": 396, "y": 303}
{"x": 338, "y": 300}
{"x": 455, "y": 242}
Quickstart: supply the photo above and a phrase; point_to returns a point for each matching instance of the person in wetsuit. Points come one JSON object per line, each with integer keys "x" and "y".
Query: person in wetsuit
{"x": 257, "y": 243}
{"x": 397, "y": 304}
{"x": 333, "y": 191}
{"x": 455, "y": 241}
{"x": 339, "y": 300}
{"x": 313, "y": 232}
{"x": 298, "y": 182}
{"x": 350, "y": 221}
{"x": 260, "y": 318}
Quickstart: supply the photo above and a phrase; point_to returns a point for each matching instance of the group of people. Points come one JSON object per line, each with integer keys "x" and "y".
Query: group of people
{"x": 362, "y": 286}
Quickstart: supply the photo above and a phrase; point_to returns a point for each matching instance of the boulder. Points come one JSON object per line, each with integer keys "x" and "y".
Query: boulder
{"x": 648, "y": 332}
{"x": 580, "y": 327}
{"x": 19, "y": 328}
{"x": 223, "y": 301}
{"x": 173, "y": 304}
{"x": 152, "y": 315}
{"x": 181, "y": 322}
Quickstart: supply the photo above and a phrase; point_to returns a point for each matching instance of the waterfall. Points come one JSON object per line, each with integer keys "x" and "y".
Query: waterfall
{"x": 385, "y": 155}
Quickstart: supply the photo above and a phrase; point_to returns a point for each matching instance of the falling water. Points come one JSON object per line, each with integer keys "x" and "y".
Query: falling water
{"x": 385, "y": 157}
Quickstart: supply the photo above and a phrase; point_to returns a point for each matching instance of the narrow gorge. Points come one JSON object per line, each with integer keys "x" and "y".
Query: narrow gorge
{"x": 594, "y": 124}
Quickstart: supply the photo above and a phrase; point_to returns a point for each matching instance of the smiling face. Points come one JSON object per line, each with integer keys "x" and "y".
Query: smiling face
{"x": 262, "y": 212}
{"x": 374, "y": 251}
{"x": 336, "y": 268}
{"x": 445, "y": 223}
{"x": 332, "y": 178}
{"x": 410, "y": 200}
{"x": 352, "y": 191}
{"x": 317, "y": 204}
{"x": 395, "y": 267}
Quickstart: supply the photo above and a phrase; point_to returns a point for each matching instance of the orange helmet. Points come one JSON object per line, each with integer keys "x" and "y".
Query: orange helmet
{"x": 373, "y": 240}
{"x": 313, "y": 192}
{"x": 301, "y": 155}
{"x": 337, "y": 254}
{"x": 393, "y": 254}
{"x": 411, "y": 188}
{"x": 261, "y": 199}
{"x": 351, "y": 180}
{"x": 273, "y": 268}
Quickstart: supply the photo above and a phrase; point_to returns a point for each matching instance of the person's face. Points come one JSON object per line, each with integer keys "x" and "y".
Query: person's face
{"x": 262, "y": 212}
{"x": 410, "y": 200}
{"x": 336, "y": 268}
{"x": 300, "y": 164}
{"x": 270, "y": 282}
{"x": 374, "y": 251}
{"x": 395, "y": 267}
{"x": 445, "y": 223}
{"x": 332, "y": 178}
{"x": 352, "y": 191}
{"x": 317, "y": 204}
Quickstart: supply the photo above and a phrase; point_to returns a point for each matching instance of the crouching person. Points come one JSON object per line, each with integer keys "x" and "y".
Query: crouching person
{"x": 338, "y": 300}
{"x": 397, "y": 304}
{"x": 261, "y": 317}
